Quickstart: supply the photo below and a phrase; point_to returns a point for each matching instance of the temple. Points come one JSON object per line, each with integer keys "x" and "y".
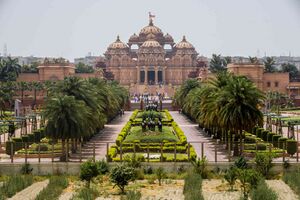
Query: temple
{"x": 152, "y": 62}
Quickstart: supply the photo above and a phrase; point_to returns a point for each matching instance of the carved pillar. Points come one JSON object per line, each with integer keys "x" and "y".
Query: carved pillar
{"x": 138, "y": 78}
{"x": 164, "y": 75}
{"x": 156, "y": 76}
{"x": 146, "y": 76}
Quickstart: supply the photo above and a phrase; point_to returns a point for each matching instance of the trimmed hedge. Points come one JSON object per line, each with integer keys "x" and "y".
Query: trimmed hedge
{"x": 259, "y": 131}
{"x": 275, "y": 140}
{"x": 282, "y": 142}
{"x": 291, "y": 146}
{"x": 264, "y": 135}
{"x": 270, "y": 137}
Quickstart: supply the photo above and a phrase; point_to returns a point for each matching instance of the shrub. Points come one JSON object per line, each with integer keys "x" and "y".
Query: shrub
{"x": 25, "y": 138}
{"x": 275, "y": 140}
{"x": 250, "y": 139}
{"x": 231, "y": 176}
{"x": 282, "y": 142}
{"x": 26, "y": 169}
{"x": 264, "y": 135}
{"x": 248, "y": 179}
{"x": 148, "y": 170}
{"x": 192, "y": 187}
{"x": 160, "y": 174}
{"x": 293, "y": 180}
{"x": 132, "y": 195}
{"x": 86, "y": 194}
{"x": 88, "y": 170}
{"x": 200, "y": 167}
{"x": 121, "y": 175}
{"x": 53, "y": 190}
{"x": 102, "y": 167}
{"x": 14, "y": 184}
{"x": 30, "y": 138}
{"x": 291, "y": 146}
{"x": 262, "y": 191}
{"x": 261, "y": 146}
{"x": 254, "y": 130}
{"x": 258, "y": 132}
{"x": 8, "y": 146}
{"x": 43, "y": 147}
{"x": 18, "y": 143}
{"x": 270, "y": 137}
{"x": 241, "y": 163}
{"x": 264, "y": 163}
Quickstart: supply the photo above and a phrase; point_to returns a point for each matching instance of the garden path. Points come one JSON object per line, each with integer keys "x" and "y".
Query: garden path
{"x": 30, "y": 192}
{"x": 108, "y": 134}
{"x": 197, "y": 135}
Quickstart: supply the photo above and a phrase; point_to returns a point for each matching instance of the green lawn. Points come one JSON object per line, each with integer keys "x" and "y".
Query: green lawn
{"x": 151, "y": 136}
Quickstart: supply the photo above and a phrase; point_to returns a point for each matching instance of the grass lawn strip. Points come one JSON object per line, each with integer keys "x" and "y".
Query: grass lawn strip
{"x": 32, "y": 191}
{"x": 283, "y": 190}
{"x": 136, "y": 133}
{"x": 55, "y": 187}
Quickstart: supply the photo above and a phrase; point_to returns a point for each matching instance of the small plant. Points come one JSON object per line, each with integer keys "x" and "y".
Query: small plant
{"x": 26, "y": 169}
{"x": 293, "y": 180}
{"x": 148, "y": 170}
{"x": 133, "y": 161}
{"x": 249, "y": 179}
{"x": 88, "y": 170}
{"x": 262, "y": 191}
{"x": 192, "y": 187}
{"x": 241, "y": 163}
{"x": 121, "y": 175}
{"x": 102, "y": 166}
{"x": 15, "y": 184}
{"x": 132, "y": 195}
{"x": 231, "y": 176}
{"x": 264, "y": 163}
{"x": 200, "y": 167}
{"x": 160, "y": 174}
{"x": 86, "y": 194}
{"x": 55, "y": 187}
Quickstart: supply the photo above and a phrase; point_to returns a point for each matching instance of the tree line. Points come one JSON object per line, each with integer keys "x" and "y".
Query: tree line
{"x": 224, "y": 106}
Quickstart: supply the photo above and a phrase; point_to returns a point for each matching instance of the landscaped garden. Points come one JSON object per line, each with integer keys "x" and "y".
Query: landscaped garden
{"x": 153, "y": 136}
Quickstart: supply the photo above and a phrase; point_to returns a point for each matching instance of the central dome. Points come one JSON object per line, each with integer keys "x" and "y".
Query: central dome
{"x": 151, "y": 43}
{"x": 151, "y": 29}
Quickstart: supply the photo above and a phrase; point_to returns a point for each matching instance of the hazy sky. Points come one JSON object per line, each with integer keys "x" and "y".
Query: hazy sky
{"x": 72, "y": 28}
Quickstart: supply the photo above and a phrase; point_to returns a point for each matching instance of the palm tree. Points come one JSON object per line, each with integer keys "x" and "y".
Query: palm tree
{"x": 183, "y": 91}
{"x": 253, "y": 60}
{"x": 66, "y": 118}
{"x": 269, "y": 64}
{"x": 35, "y": 86}
{"x": 218, "y": 64}
{"x": 22, "y": 86}
{"x": 9, "y": 69}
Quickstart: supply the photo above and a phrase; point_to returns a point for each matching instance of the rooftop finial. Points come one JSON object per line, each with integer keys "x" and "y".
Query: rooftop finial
{"x": 184, "y": 39}
{"x": 118, "y": 38}
{"x": 151, "y": 17}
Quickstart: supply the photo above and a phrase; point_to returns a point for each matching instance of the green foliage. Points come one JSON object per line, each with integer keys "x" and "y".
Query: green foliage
{"x": 200, "y": 167}
{"x": 275, "y": 140}
{"x": 86, "y": 194}
{"x": 82, "y": 68}
{"x": 291, "y": 147}
{"x": 293, "y": 180}
{"x": 217, "y": 64}
{"x": 282, "y": 142}
{"x": 102, "y": 166}
{"x": 241, "y": 163}
{"x": 132, "y": 195}
{"x": 231, "y": 176}
{"x": 14, "y": 184}
{"x": 192, "y": 187}
{"x": 264, "y": 135}
{"x": 264, "y": 163}
{"x": 262, "y": 191}
{"x": 88, "y": 170}
{"x": 121, "y": 175}
{"x": 291, "y": 69}
{"x": 9, "y": 69}
{"x": 54, "y": 189}
{"x": 248, "y": 179}
{"x": 160, "y": 174}
{"x": 269, "y": 64}
{"x": 26, "y": 169}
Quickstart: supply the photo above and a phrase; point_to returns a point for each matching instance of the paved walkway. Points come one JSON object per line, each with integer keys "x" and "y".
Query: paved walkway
{"x": 30, "y": 192}
{"x": 197, "y": 135}
{"x": 108, "y": 134}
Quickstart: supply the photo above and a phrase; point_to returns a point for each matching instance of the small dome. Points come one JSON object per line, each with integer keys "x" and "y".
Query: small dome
{"x": 184, "y": 44}
{"x": 134, "y": 37}
{"x": 118, "y": 44}
{"x": 168, "y": 37}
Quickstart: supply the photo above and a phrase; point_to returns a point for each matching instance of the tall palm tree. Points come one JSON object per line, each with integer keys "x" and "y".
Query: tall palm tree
{"x": 22, "y": 86}
{"x": 183, "y": 91}
{"x": 66, "y": 118}
{"x": 9, "y": 69}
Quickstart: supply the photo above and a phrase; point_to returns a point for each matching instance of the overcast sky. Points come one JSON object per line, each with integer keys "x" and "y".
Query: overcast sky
{"x": 72, "y": 28}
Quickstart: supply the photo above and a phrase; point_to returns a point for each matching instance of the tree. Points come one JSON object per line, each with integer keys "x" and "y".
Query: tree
{"x": 218, "y": 63}
{"x": 9, "y": 69}
{"x": 88, "y": 170}
{"x": 67, "y": 118}
{"x": 231, "y": 176}
{"x": 269, "y": 64}
{"x": 249, "y": 179}
{"x": 121, "y": 175}
{"x": 22, "y": 86}
{"x": 291, "y": 69}
{"x": 83, "y": 68}
{"x": 253, "y": 60}
{"x": 160, "y": 174}
{"x": 35, "y": 86}
{"x": 183, "y": 91}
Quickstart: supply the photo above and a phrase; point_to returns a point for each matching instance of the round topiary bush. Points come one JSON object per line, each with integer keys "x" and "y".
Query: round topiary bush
{"x": 261, "y": 146}
{"x": 291, "y": 146}
{"x": 258, "y": 132}
{"x": 282, "y": 143}
{"x": 275, "y": 139}
{"x": 270, "y": 137}
{"x": 43, "y": 147}
{"x": 264, "y": 135}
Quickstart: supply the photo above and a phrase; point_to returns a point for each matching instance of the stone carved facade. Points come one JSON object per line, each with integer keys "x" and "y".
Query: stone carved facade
{"x": 151, "y": 59}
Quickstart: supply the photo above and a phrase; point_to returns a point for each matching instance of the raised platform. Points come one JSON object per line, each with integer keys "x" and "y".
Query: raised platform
{"x": 168, "y": 90}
